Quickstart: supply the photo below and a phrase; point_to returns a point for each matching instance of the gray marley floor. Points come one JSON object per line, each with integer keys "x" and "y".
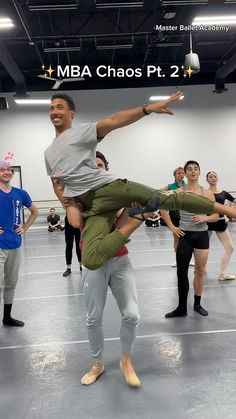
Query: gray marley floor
{"x": 187, "y": 366}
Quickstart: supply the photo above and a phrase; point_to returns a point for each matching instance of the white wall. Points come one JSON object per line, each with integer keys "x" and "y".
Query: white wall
{"x": 203, "y": 129}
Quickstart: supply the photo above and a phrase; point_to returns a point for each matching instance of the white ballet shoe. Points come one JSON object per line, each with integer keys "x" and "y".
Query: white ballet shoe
{"x": 226, "y": 277}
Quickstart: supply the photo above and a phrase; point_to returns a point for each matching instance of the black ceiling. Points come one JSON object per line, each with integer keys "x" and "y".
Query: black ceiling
{"x": 91, "y": 24}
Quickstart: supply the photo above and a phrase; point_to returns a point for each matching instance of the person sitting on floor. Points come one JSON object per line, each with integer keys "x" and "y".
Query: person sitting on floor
{"x": 54, "y": 222}
{"x": 153, "y": 220}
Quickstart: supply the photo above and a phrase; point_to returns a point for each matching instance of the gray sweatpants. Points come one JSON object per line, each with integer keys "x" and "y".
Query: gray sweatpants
{"x": 117, "y": 273}
{"x": 9, "y": 272}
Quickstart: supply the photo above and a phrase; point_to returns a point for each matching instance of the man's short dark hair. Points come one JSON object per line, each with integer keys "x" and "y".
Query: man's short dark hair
{"x": 191, "y": 162}
{"x": 68, "y": 99}
{"x": 52, "y": 209}
{"x": 101, "y": 156}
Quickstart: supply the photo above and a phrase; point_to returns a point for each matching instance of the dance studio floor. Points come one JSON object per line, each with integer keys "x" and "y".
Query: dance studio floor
{"x": 187, "y": 365}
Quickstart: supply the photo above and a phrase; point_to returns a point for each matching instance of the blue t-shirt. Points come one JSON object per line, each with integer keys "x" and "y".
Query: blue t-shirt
{"x": 174, "y": 186}
{"x": 11, "y": 204}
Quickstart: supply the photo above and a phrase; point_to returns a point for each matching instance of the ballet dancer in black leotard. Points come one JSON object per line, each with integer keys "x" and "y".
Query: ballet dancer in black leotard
{"x": 220, "y": 226}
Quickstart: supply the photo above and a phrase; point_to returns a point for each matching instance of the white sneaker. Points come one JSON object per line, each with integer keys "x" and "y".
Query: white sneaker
{"x": 174, "y": 265}
{"x": 226, "y": 277}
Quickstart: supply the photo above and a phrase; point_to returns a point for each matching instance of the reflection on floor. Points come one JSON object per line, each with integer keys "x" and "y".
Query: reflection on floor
{"x": 187, "y": 366}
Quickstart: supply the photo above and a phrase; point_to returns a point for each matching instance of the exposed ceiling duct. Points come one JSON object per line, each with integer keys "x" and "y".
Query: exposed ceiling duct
{"x": 107, "y": 32}
{"x": 13, "y": 70}
{"x": 222, "y": 73}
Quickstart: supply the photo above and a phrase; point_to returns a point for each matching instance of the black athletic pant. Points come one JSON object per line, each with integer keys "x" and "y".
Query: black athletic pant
{"x": 71, "y": 233}
{"x": 190, "y": 241}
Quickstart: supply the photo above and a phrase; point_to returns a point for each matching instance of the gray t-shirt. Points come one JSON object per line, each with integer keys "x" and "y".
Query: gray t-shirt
{"x": 72, "y": 158}
{"x": 186, "y": 222}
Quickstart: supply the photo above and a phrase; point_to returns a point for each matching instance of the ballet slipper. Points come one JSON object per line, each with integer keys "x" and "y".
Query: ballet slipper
{"x": 152, "y": 206}
{"x": 93, "y": 374}
{"x": 130, "y": 376}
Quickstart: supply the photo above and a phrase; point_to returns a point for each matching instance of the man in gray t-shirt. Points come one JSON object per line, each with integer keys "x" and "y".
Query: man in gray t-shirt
{"x": 71, "y": 157}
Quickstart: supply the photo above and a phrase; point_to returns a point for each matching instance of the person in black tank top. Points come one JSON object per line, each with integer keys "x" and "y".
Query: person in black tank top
{"x": 220, "y": 226}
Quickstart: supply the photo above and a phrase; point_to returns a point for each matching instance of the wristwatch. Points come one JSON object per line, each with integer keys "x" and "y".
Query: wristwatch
{"x": 144, "y": 109}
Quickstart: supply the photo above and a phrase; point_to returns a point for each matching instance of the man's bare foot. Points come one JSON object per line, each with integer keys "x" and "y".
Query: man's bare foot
{"x": 130, "y": 375}
{"x": 93, "y": 374}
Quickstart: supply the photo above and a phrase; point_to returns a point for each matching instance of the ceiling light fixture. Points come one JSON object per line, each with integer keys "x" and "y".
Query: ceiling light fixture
{"x": 183, "y": 2}
{"x": 65, "y": 6}
{"x": 154, "y": 98}
{"x": 166, "y": 44}
{"x": 214, "y": 20}
{"x": 62, "y": 49}
{"x": 118, "y": 5}
{"x": 32, "y": 101}
{"x": 115, "y": 46}
{"x": 191, "y": 59}
{"x": 6, "y": 22}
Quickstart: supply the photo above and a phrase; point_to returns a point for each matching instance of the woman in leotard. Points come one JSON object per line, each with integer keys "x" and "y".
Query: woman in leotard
{"x": 220, "y": 226}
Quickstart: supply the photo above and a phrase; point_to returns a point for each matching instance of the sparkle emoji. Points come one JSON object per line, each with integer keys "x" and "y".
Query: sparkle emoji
{"x": 189, "y": 71}
{"x": 50, "y": 70}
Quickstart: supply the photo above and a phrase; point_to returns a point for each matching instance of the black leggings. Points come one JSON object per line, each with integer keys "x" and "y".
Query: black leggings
{"x": 70, "y": 234}
{"x": 190, "y": 241}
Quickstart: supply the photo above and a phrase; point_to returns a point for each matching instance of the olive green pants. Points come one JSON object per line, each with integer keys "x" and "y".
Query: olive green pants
{"x": 99, "y": 243}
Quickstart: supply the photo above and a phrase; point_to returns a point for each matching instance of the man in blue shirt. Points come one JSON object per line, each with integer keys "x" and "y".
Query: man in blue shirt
{"x": 11, "y": 202}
